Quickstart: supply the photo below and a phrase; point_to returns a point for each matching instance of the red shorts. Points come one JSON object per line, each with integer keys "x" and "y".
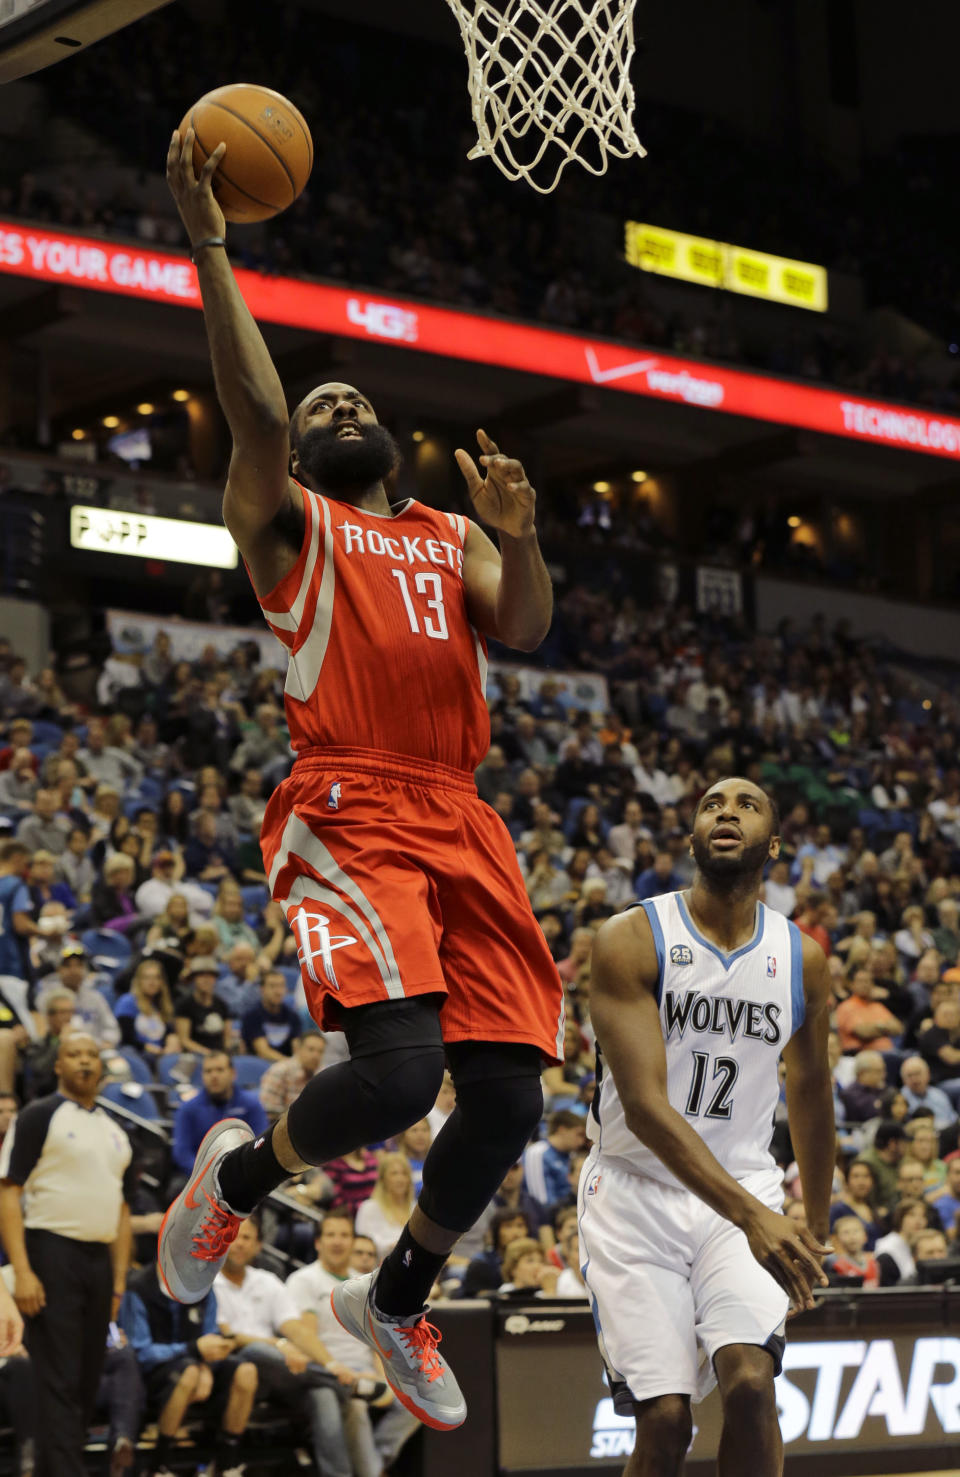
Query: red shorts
{"x": 398, "y": 880}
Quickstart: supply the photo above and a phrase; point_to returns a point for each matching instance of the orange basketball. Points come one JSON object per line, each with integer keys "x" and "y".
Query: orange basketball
{"x": 269, "y": 149}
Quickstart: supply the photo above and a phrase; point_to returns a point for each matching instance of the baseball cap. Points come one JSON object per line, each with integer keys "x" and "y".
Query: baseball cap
{"x": 73, "y": 951}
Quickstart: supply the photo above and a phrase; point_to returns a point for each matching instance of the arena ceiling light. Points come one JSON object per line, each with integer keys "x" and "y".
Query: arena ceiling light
{"x": 145, "y": 408}
{"x": 794, "y": 521}
{"x": 638, "y": 476}
{"x": 418, "y": 435}
{"x": 111, "y": 422}
{"x": 181, "y": 395}
{"x": 601, "y": 487}
{"x": 78, "y": 434}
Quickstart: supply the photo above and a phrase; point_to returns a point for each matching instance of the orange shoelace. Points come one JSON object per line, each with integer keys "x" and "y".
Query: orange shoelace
{"x": 216, "y": 1233}
{"x": 422, "y": 1340}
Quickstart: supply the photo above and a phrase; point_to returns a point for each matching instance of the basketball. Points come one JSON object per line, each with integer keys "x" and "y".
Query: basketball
{"x": 269, "y": 149}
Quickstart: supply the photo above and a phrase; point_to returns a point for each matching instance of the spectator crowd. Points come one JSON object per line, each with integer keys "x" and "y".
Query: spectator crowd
{"x": 134, "y": 910}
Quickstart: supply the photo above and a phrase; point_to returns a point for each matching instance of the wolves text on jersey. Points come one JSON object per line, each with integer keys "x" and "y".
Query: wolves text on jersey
{"x": 720, "y": 1016}
{"x": 419, "y": 550}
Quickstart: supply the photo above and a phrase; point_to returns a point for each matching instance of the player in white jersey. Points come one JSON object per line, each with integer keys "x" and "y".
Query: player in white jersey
{"x": 690, "y": 1266}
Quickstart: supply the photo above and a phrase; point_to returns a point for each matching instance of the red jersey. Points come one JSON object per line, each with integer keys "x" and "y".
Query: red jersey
{"x": 382, "y": 652}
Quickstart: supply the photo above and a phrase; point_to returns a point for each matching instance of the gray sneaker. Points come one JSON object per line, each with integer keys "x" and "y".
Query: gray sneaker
{"x": 417, "y": 1372}
{"x": 197, "y": 1230}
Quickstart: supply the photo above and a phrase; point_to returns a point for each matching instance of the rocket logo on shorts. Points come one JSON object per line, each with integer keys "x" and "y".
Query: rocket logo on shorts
{"x": 315, "y": 942}
{"x": 771, "y": 967}
{"x": 680, "y": 954}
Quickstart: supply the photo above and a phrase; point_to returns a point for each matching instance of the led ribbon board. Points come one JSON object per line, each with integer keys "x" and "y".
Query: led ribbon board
{"x": 167, "y": 278}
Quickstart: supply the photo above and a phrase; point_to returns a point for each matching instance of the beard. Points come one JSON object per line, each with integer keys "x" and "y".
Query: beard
{"x": 353, "y": 464}
{"x": 726, "y": 869}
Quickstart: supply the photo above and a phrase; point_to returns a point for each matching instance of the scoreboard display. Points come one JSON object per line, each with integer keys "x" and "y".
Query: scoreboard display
{"x": 37, "y": 33}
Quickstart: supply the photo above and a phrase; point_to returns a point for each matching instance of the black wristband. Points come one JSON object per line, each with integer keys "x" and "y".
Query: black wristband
{"x": 207, "y": 241}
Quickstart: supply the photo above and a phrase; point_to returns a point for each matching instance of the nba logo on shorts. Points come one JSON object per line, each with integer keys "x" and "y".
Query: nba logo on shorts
{"x": 333, "y": 799}
{"x": 681, "y": 954}
{"x": 594, "y": 1184}
{"x": 771, "y": 966}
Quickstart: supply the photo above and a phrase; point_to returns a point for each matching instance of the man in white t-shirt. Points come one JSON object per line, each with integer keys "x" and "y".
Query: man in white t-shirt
{"x": 374, "y": 1436}
{"x": 257, "y": 1311}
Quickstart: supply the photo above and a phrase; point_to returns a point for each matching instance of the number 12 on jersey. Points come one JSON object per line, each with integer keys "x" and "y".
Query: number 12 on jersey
{"x": 423, "y": 583}
{"x": 725, "y": 1072}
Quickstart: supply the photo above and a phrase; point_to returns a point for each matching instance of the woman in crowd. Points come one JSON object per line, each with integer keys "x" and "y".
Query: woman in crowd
{"x": 894, "y": 1252}
{"x": 507, "y": 1224}
{"x": 173, "y": 922}
{"x": 174, "y": 820}
{"x": 145, "y": 1012}
{"x": 414, "y": 1144}
{"x": 229, "y": 921}
{"x": 913, "y": 936}
{"x": 858, "y": 1199}
{"x": 385, "y": 1214}
{"x": 925, "y": 1142}
{"x": 354, "y": 1177}
{"x": 561, "y": 1084}
{"x": 546, "y": 884}
{"x": 111, "y": 902}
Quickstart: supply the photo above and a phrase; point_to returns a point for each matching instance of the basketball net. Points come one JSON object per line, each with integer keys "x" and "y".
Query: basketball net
{"x": 549, "y": 83}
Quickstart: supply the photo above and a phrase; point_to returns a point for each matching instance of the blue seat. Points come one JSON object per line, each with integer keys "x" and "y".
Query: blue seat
{"x": 45, "y": 732}
{"x": 166, "y": 1065}
{"x": 108, "y": 950}
{"x": 249, "y": 1070}
{"x": 134, "y": 1097}
{"x": 139, "y": 1065}
{"x": 212, "y": 887}
{"x": 151, "y": 790}
{"x": 255, "y": 897}
{"x": 291, "y": 973}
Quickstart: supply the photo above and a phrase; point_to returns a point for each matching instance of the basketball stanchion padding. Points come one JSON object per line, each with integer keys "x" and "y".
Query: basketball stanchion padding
{"x": 550, "y": 83}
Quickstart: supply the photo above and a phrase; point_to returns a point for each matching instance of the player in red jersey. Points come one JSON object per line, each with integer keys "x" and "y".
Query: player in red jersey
{"x": 414, "y": 930}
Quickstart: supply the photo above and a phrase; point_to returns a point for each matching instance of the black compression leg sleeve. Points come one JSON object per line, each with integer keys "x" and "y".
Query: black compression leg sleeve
{"x": 499, "y": 1104}
{"x": 391, "y": 1080}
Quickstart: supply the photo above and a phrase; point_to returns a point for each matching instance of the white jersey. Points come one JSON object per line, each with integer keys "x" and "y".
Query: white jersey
{"x": 725, "y": 1020}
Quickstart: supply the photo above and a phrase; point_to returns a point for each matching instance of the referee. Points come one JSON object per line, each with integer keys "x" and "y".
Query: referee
{"x": 65, "y": 1224}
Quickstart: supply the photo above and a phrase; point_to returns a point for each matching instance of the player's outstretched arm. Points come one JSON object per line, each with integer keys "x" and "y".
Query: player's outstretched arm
{"x": 810, "y": 1092}
{"x": 248, "y": 386}
{"x": 623, "y": 1008}
{"x": 509, "y": 593}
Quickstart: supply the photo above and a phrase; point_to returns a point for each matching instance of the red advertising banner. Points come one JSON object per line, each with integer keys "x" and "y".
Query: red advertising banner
{"x": 80, "y": 261}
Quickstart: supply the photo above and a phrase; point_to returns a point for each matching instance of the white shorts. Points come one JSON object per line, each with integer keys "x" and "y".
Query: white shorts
{"x": 671, "y": 1282}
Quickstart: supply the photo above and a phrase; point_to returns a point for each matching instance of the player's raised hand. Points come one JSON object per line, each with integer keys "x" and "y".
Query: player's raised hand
{"x": 504, "y": 498}
{"x": 193, "y": 193}
{"x": 790, "y": 1253}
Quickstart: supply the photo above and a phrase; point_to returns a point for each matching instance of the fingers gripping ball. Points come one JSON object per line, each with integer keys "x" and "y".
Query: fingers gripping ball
{"x": 269, "y": 149}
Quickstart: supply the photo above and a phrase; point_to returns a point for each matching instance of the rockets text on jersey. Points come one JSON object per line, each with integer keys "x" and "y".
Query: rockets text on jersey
{"x": 383, "y": 655}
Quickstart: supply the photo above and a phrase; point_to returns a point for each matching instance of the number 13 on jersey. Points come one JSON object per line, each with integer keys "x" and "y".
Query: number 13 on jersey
{"x": 424, "y": 624}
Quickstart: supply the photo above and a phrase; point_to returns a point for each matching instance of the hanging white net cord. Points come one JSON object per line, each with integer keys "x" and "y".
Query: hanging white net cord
{"x": 560, "y": 68}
